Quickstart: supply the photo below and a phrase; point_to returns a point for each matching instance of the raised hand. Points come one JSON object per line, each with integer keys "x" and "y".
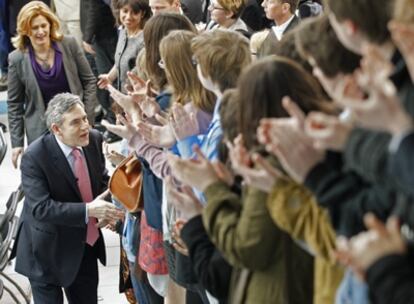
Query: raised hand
{"x": 286, "y": 139}
{"x": 161, "y": 136}
{"x": 183, "y": 124}
{"x": 124, "y": 129}
{"x": 184, "y": 201}
{"x": 104, "y": 81}
{"x": 149, "y": 106}
{"x": 328, "y": 132}
{"x": 363, "y": 250}
{"x": 198, "y": 173}
{"x": 125, "y": 101}
{"x": 137, "y": 83}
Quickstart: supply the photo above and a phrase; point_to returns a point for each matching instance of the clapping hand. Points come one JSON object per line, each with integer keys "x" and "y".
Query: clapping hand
{"x": 184, "y": 200}
{"x": 124, "y": 128}
{"x": 183, "y": 124}
{"x": 364, "y": 249}
{"x": 198, "y": 173}
{"x": 161, "y": 136}
{"x": 286, "y": 139}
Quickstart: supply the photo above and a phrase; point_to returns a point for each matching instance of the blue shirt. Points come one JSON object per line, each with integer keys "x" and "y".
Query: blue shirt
{"x": 207, "y": 142}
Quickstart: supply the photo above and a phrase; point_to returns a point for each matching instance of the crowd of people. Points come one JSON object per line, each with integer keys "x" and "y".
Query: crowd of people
{"x": 273, "y": 138}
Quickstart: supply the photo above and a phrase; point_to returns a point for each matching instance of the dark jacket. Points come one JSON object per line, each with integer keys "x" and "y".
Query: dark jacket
{"x": 51, "y": 237}
{"x": 97, "y": 20}
{"x": 271, "y": 41}
{"x": 347, "y": 196}
{"x": 209, "y": 266}
{"x": 391, "y": 280}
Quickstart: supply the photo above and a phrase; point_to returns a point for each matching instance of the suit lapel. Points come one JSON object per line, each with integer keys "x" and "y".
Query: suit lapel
{"x": 292, "y": 24}
{"x": 62, "y": 164}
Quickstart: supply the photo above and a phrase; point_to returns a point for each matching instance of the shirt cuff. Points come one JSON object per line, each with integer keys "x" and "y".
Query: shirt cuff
{"x": 86, "y": 215}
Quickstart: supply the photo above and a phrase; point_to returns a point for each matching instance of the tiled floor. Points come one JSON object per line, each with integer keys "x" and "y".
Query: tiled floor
{"x": 108, "y": 283}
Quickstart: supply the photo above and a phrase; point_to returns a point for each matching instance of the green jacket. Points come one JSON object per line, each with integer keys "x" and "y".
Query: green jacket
{"x": 242, "y": 229}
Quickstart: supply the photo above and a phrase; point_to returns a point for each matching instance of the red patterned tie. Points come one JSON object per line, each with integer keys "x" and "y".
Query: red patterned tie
{"x": 84, "y": 185}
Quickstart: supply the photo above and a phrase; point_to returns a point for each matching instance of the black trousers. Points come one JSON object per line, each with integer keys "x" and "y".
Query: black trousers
{"x": 83, "y": 290}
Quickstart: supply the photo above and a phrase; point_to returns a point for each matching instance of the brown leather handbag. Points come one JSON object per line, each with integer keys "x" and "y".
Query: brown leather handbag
{"x": 125, "y": 184}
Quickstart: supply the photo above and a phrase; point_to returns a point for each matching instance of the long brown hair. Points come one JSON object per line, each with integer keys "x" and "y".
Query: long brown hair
{"x": 262, "y": 87}
{"x": 181, "y": 72}
{"x": 156, "y": 29}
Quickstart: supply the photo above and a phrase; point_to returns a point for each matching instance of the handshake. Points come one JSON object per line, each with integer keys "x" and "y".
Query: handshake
{"x": 105, "y": 212}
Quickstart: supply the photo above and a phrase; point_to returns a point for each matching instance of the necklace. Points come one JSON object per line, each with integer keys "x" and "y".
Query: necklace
{"x": 44, "y": 64}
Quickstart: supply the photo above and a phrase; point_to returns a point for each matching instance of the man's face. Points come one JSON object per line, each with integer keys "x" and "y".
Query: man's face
{"x": 159, "y": 6}
{"x": 345, "y": 31}
{"x": 74, "y": 129}
{"x": 274, "y": 9}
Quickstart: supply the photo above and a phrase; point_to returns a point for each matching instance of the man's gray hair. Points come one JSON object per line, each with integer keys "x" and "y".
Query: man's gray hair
{"x": 59, "y": 105}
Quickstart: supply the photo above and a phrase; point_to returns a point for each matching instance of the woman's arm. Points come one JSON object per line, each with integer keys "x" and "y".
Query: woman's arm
{"x": 15, "y": 102}
{"x": 295, "y": 210}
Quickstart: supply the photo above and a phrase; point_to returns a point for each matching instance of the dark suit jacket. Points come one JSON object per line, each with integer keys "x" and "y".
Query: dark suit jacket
{"x": 52, "y": 230}
{"x": 26, "y": 107}
{"x": 97, "y": 21}
{"x": 270, "y": 43}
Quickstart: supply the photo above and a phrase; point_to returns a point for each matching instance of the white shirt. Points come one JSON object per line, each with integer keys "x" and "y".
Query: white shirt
{"x": 280, "y": 29}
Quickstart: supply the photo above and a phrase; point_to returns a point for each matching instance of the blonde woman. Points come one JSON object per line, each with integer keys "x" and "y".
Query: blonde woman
{"x": 225, "y": 14}
{"x": 44, "y": 64}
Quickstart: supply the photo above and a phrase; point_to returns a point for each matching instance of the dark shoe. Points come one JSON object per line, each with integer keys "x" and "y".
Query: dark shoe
{"x": 111, "y": 137}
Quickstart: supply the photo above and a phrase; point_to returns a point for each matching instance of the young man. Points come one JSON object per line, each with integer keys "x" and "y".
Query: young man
{"x": 158, "y": 6}
{"x": 63, "y": 177}
{"x": 282, "y": 12}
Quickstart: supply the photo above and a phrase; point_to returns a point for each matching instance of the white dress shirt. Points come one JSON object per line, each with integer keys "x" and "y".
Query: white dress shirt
{"x": 280, "y": 29}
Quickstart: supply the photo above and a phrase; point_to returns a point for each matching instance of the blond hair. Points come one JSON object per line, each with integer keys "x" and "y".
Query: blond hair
{"x": 181, "y": 72}
{"x": 222, "y": 55}
{"x": 404, "y": 11}
{"x": 28, "y": 12}
{"x": 234, "y": 6}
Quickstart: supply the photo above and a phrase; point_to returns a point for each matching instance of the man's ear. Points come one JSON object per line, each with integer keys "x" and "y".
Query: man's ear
{"x": 55, "y": 129}
{"x": 286, "y": 7}
{"x": 177, "y": 3}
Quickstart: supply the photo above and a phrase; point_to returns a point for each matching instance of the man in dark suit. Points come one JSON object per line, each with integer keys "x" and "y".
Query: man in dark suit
{"x": 282, "y": 12}
{"x": 63, "y": 177}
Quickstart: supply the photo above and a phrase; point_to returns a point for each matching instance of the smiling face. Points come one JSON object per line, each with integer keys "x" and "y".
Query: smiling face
{"x": 74, "y": 127}
{"x": 130, "y": 19}
{"x": 39, "y": 34}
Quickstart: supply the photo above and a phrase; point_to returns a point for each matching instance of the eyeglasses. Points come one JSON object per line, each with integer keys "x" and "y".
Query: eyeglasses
{"x": 161, "y": 64}
{"x": 211, "y": 7}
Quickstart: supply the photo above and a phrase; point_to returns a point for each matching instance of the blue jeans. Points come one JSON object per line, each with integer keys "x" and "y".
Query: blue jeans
{"x": 352, "y": 290}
